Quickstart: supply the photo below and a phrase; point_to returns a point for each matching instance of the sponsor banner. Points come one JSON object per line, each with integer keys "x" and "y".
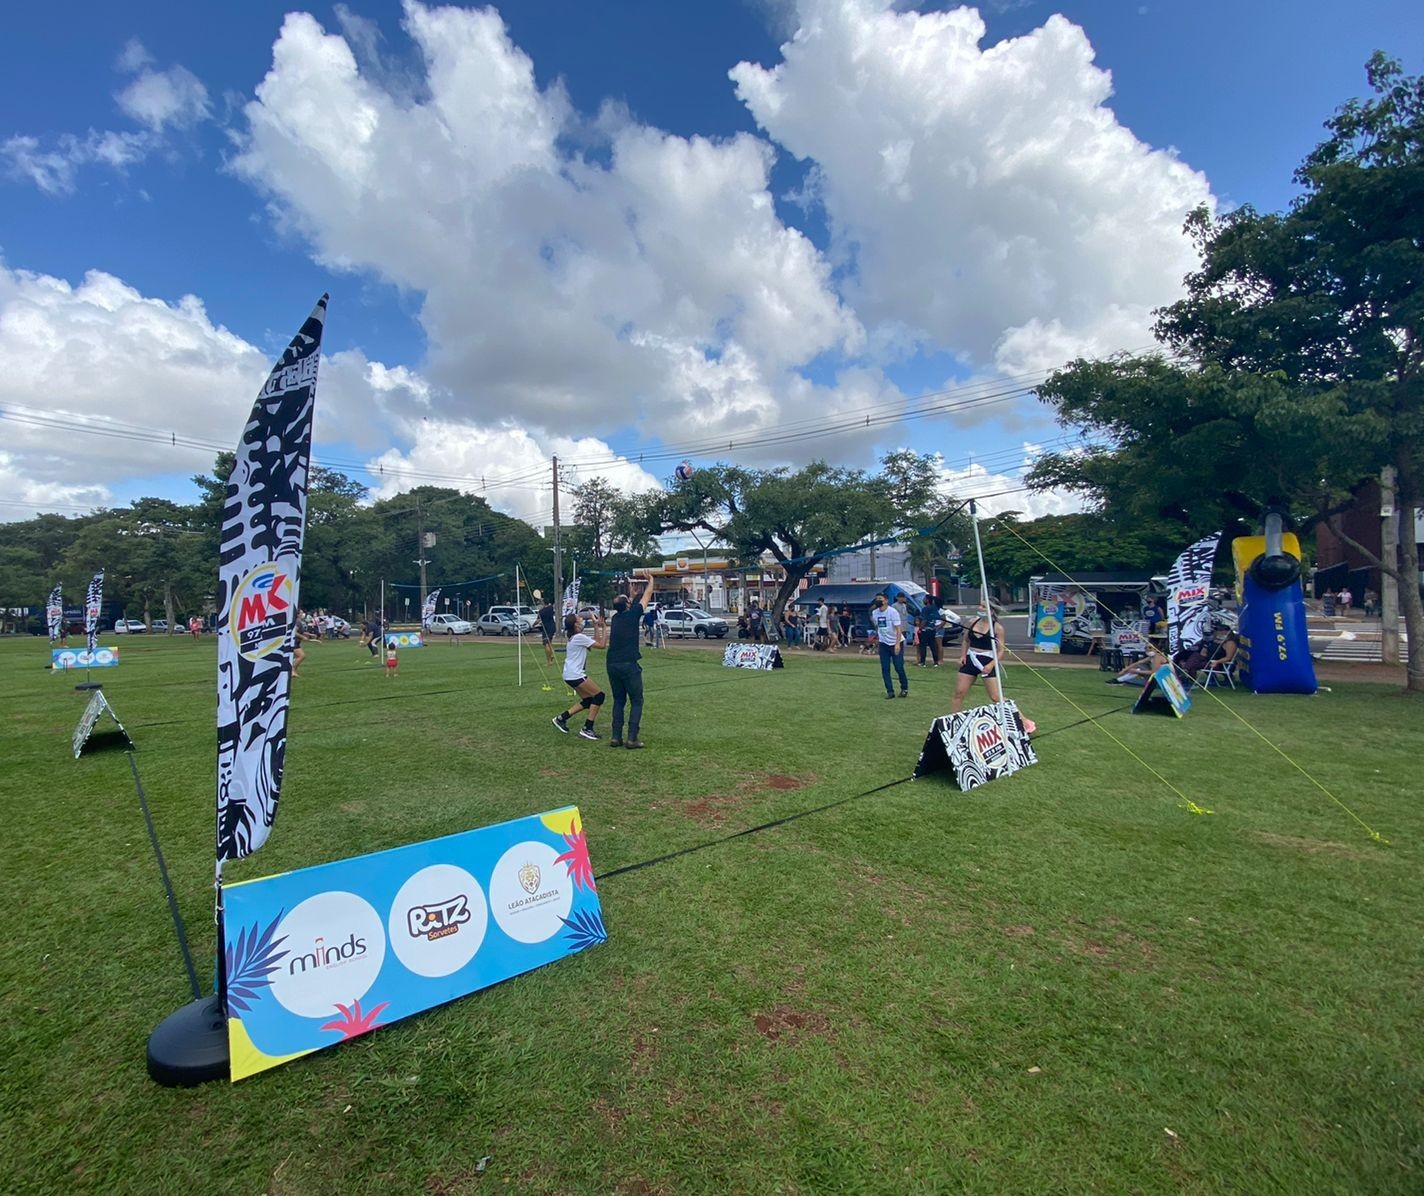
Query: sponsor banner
{"x": 404, "y": 639}
{"x": 1048, "y": 627}
{"x": 752, "y": 656}
{"x": 427, "y": 612}
{"x": 977, "y": 746}
{"x": 93, "y": 600}
{"x": 1129, "y": 639}
{"x": 259, "y": 569}
{"x": 98, "y": 706}
{"x": 83, "y": 658}
{"x": 1163, "y": 694}
{"x": 54, "y": 612}
{"x": 1188, "y": 587}
{"x": 324, "y": 954}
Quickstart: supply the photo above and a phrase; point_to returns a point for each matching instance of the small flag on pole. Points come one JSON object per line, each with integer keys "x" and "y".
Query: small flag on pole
{"x": 571, "y": 596}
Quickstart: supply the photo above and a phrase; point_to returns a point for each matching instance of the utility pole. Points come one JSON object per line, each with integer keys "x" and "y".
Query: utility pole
{"x": 1389, "y": 586}
{"x": 420, "y": 539}
{"x": 558, "y": 598}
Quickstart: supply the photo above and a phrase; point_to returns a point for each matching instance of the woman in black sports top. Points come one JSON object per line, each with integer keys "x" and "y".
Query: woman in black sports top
{"x": 983, "y": 640}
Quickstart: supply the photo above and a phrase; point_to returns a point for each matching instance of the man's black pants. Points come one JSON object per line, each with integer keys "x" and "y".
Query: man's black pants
{"x": 626, "y": 681}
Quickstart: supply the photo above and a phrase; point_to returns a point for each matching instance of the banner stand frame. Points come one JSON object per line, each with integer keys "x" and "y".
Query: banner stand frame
{"x": 87, "y": 684}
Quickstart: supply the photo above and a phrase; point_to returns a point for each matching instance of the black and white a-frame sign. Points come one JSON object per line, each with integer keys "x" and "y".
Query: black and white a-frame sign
{"x": 978, "y": 745}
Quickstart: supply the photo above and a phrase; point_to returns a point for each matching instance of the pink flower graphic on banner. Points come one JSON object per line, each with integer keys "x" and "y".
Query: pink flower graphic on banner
{"x": 353, "y": 1023}
{"x": 577, "y": 858}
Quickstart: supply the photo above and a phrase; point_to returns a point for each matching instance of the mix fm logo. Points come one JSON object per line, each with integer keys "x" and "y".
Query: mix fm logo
{"x": 986, "y": 741}
{"x": 261, "y": 615}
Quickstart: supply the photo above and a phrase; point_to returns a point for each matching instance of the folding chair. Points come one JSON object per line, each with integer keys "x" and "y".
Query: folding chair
{"x": 1221, "y": 669}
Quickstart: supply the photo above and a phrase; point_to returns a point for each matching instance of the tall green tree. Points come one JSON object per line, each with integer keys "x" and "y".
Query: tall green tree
{"x": 798, "y": 517}
{"x": 1296, "y": 366}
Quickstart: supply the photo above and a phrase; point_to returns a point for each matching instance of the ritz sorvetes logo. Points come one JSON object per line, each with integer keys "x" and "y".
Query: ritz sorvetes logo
{"x": 327, "y": 955}
{"x": 987, "y": 742}
{"x": 439, "y": 918}
{"x": 262, "y": 611}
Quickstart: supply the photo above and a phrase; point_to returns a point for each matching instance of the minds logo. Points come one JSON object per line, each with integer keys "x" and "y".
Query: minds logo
{"x": 337, "y": 947}
{"x": 261, "y": 613}
{"x": 437, "y": 920}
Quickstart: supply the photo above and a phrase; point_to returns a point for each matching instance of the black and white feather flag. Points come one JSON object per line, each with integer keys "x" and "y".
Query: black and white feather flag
{"x": 1188, "y": 588}
{"x": 259, "y": 571}
{"x": 93, "y": 600}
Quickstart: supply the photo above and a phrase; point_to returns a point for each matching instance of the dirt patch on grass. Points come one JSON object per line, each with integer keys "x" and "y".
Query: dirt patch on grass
{"x": 1312, "y": 846}
{"x": 716, "y": 809}
{"x": 784, "y": 1023}
{"x": 1018, "y": 932}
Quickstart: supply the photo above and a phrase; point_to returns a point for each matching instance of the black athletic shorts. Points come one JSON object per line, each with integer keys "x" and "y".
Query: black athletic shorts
{"x": 977, "y": 664}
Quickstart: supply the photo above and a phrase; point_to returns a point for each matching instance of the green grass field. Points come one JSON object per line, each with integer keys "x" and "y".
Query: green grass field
{"x": 1062, "y": 982}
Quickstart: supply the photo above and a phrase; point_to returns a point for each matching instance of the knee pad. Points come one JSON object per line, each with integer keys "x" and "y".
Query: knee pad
{"x": 597, "y": 700}
{"x": 586, "y": 703}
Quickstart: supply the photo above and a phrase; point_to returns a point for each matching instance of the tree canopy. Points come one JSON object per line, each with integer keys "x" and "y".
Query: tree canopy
{"x": 1290, "y": 372}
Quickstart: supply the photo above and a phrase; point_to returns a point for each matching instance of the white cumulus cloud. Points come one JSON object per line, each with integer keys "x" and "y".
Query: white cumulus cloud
{"x": 984, "y": 198}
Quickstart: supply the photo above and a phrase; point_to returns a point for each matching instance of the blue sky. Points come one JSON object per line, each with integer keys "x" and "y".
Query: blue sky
{"x": 602, "y": 230}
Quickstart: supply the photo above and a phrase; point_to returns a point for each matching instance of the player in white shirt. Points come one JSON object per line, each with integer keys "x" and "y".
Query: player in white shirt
{"x": 886, "y": 621}
{"x": 591, "y": 698}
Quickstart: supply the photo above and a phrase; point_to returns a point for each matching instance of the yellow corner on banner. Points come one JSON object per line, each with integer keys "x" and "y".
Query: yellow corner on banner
{"x": 563, "y": 822}
{"x": 245, "y": 1057}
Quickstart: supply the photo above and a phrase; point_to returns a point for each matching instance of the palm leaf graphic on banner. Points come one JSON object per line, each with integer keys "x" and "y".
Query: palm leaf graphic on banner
{"x": 251, "y": 962}
{"x": 353, "y": 1023}
{"x": 585, "y": 929}
{"x": 577, "y": 858}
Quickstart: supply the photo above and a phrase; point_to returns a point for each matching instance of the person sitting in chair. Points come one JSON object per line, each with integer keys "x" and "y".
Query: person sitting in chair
{"x": 1138, "y": 672}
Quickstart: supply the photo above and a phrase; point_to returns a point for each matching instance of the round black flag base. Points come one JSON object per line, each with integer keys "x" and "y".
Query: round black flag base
{"x": 90, "y": 685}
{"x": 189, "y": 1047}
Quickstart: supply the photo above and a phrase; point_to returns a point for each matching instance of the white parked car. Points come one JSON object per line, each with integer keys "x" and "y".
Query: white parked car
{"x": 129, "y": 627}
{"x": 448, "y": 624}
{"x": 693, "y": 622}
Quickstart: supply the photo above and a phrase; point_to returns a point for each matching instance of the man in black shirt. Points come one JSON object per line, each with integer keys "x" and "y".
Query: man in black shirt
{"x": 625, "y": 674}
{"x": 546, "y": 628}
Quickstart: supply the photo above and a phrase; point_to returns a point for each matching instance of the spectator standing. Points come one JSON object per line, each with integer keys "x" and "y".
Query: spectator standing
{"x": 1343, "y": 600}
{"x": 756, "y": 623}
{"x": 823, "y": 626}
{"x": 625, "y": 674}
{"x": 886, "y": 621}
{"x": 845, "y": 625}
{"x": 1371, "y": 604}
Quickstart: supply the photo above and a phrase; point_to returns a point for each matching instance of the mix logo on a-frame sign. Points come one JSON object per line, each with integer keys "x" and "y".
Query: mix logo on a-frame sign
{"x": 262, "y": 614}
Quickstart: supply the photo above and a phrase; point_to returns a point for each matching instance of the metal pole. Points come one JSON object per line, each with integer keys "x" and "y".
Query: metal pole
{"x": 420, "y": 540}
{"x": 1389, "y": 587}
{"x": 989, "y": 608}
{"x": 518, "y": 628}
{"x": 558, "y": 549}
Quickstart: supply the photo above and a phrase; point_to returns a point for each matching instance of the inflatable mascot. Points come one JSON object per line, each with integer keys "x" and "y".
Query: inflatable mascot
{"x": 1275, "y": 652}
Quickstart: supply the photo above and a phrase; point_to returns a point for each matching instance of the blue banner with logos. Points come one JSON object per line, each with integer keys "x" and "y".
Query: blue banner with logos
{"x": 324, "y": 954}
{"x": 404, "y": 639}
{"x": 83, "y": 658}
{"x": 1048, "y": 627}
